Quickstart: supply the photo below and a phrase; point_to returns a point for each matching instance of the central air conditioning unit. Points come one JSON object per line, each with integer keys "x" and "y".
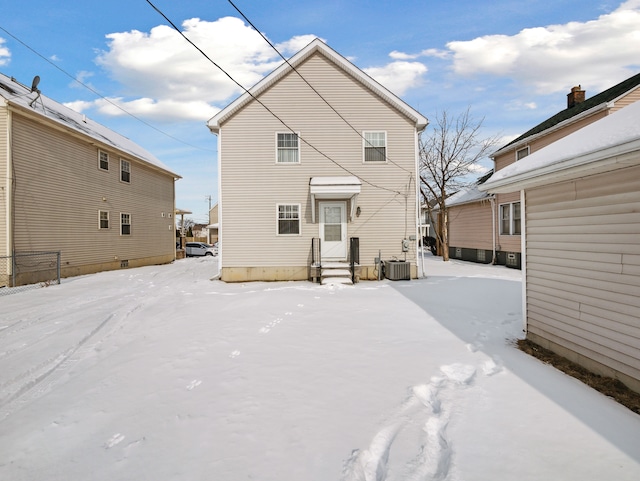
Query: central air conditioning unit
{"x": 397, "y": 270}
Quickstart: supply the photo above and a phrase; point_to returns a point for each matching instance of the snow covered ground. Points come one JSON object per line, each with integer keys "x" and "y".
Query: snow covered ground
{"x": 159, "y": 373}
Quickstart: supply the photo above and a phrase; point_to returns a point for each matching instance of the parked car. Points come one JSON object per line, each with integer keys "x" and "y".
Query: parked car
{"x": 200, "y": 249}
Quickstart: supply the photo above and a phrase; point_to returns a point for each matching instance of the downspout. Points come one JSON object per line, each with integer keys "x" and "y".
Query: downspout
{"x": 493, "y": 228}
{"x": 418, "y": 223}
{"x": 9, "y": 189}
{"x": 523, "y": 258}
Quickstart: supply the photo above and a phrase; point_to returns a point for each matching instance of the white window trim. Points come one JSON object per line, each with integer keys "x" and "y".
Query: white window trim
{"x": 100, "y": 152}
{"x": 366, "y": 144}
{"x": 124, "y": 162}
{"x": 520, "y": 150}
{"x": 299, "y": 206}
{"x": 511, "y": 218}
{"x": 100, "y": 220}
{"x": 129, "y": 224}
{"x": 298, "y": 149}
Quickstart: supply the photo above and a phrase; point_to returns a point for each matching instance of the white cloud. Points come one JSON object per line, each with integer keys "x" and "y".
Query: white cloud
{"x": 596, "y": 54}
{"x": 430, "y": 52}
{"x": 162, "y": 74}
{"x": 295, "y": 44}
{"x": 398, "y": 76}
{"x": 5, "y": 53}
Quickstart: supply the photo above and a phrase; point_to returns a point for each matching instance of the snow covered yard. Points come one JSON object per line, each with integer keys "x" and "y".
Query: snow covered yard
{"x": 159, "y": 373}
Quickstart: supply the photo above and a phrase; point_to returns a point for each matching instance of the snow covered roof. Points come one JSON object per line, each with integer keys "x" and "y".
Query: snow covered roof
{"x": 610, "y": 143}
{"x": 317, "y": 46}
{"x": 592, "y": 105}
{"x": 24, "y": 98}
{"x": 467, "y": 196}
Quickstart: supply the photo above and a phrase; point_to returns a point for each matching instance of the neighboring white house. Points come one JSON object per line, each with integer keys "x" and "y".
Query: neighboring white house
{"x": 72, "y": 185}
{"x": 315, "y": 155}
{"x": 581, "y": 243}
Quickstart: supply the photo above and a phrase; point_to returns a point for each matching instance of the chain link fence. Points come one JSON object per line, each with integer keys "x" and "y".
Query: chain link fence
{"x": 28, "y": 270}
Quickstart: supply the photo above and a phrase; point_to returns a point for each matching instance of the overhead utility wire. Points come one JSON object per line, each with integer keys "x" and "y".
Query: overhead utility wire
{"x": 175, "y": 27}
{"x": 312, "y": 87}
{"x": 100, "y": 95}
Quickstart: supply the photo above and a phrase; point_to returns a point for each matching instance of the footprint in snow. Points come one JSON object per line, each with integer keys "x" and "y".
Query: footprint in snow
{"x": 234, "y": 354}
{"x": 264, "y": 330}
{"x": 459, "y": 373}
{"x": 194, "y": 384}
{"x": 115, "y": 439}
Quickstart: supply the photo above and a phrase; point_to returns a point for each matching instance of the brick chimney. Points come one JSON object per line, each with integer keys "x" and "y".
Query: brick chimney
{"x": 575, "y": 97}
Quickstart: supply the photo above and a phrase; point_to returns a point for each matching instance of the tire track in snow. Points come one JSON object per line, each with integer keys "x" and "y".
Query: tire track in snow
{"x": 37, "y": 381}
{"x": 433, "y": 460}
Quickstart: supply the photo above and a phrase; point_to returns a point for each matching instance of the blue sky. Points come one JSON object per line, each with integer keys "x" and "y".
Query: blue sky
{"x": 512, "y": 62}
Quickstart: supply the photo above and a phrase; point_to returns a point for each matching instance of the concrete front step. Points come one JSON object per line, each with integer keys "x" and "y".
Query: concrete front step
{"x": 335, "y": 272}
{"x": 336, "y": 280}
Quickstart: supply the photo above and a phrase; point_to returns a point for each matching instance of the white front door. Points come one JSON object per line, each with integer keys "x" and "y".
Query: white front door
{"x": 333, "y": 230}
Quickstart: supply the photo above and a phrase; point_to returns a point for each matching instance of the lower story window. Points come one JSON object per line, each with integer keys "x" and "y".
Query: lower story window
{"x": 510, "y": 219}
{"x": 103, "y": 219}
{"x": 288, "y": 219}
{"x": 125, "y": 224}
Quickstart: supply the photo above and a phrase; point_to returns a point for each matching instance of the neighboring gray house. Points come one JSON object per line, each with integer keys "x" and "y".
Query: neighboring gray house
{"x": 581, "y": 232}
{"x": 69, "y": 184}
{"x": 310, "y": 159}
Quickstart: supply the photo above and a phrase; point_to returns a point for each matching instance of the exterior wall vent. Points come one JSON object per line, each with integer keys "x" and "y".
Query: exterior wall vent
{"x": 397, "y": 270}
{"x": 459, "y": 252}
{"x": 124, "y": 264}
{"x": 512, "y": 259}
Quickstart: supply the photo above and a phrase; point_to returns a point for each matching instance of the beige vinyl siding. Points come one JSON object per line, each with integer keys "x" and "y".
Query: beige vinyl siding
{"x": 59, "y": 190}
{"x": 5, "y": 185}
{"x": 629, "y": 98}
{"x": 252, "y": 183}
{"x": 470, "y": 226}
{"x": 583, "y": 267}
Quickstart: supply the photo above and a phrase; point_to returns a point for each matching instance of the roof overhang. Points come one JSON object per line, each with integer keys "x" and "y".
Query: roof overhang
{"x": 334, "y": 188}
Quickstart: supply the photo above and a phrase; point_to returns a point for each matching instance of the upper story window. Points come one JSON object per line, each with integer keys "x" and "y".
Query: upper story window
{"x": 125, "y": 224}
{"x": 510, "y": 219}
{"x": 522, "y": 153}
{"x": 375, "y": 146}
{"x": 103, "y": 219}
{"x": 103, "y": 160}
{"x": 288, "y": 148}
{"x": 288, "y": 219}
{"x": 125, "y": 170}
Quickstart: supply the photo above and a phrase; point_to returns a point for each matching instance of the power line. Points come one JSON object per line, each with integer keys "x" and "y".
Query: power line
{"x": 100, "y": 95}
{"x": 313, "y": 88}
{"x": 245, "y": 90}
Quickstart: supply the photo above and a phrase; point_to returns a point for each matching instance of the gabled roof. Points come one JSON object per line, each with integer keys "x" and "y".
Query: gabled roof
{"x": 611, "y": 143}
{"x": 317, "y": 46}
{"x": 601, "y": 99}
{"x": 30, "y": 101}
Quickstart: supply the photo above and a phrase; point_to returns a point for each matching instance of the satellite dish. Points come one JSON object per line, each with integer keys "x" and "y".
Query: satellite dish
{"x": 34, "y": 84}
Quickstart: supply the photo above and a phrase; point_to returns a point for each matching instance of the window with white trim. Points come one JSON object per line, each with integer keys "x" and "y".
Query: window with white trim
{"x": 103, "y": 219}
{"x": 288, "y": 219}
{"x": 375, "y": 146}
{"x": 510, "y": 219}
{"x": 287, "y": 148}
{"x": 125, "y": 224}
{"x": 125, "y": 171}
{"x": 103, "y": 160}
{"x": 522, "y": 153}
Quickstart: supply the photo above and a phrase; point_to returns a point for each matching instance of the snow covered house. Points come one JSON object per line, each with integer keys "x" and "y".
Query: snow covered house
{"x": 318, "y": 167}
{"x": 502, "y": 213}
{"x": 71, "y": 185}
{"x": 581, "y": 232}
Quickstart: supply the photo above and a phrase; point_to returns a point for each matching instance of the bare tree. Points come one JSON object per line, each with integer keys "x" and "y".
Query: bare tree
{"x": 448, "y": 157}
